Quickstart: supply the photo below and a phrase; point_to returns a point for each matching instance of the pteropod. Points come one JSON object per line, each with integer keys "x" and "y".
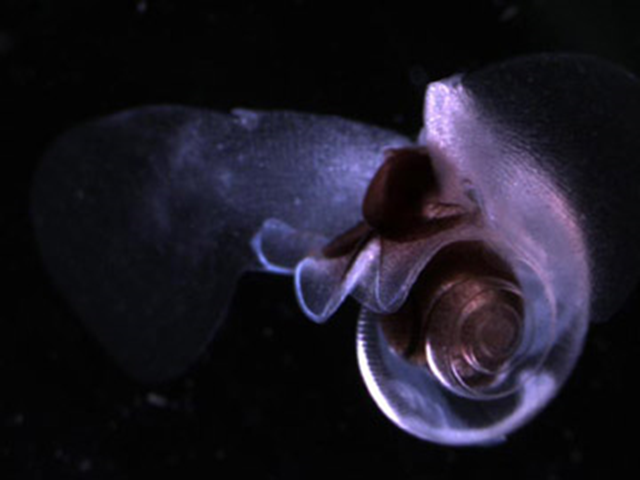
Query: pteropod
{"x": 479, "y": 253}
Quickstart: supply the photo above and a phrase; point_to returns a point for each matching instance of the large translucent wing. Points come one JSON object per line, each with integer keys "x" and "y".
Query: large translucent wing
{"x": 578, "y": 117}
{"x": 145, "y": 218}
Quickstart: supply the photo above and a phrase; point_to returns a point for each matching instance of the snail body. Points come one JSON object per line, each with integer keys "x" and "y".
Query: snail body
{"x": 479, "y": 253}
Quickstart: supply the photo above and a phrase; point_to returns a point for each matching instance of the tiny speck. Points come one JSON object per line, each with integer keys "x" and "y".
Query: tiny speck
{"x": 398, "y": 118}
{"x": 601, "y": 345}
{"x": 576, "y": 457}
{"x": 141, "y": 7}
{"x": 509, "y": 13}
{"x": 17, "y": 419}
{"x": 226, "y": 178}
{"x": 595, "y": 384}
{"x": 157, "y": 400}
{"x": 6, "y": 43}
{"x": 189, "y": 383}
{"x": 267, "y": 332}
{"x": 85, "y": 465}
{"x": 220, "y": 454}
{"x": 418, "y": 76}
{"x": 568, "y": 434}
{"x": 287, "y": 359}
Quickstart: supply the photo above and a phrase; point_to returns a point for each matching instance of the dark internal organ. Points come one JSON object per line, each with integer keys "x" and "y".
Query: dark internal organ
{"x": 403, "y": 199}
{"x": 401, "y": 204}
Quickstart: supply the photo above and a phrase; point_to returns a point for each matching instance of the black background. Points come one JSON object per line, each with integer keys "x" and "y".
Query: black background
{"x": 274, "y": 395}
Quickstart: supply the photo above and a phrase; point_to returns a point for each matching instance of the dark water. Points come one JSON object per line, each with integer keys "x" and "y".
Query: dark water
{"x": 274, "y": 395}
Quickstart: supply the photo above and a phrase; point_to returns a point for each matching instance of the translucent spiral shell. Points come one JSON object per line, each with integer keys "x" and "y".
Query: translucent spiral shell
{"x": 500, "y": 336}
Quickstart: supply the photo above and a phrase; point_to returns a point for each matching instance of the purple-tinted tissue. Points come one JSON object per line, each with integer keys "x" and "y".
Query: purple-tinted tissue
{"x": 479, "y": 252}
